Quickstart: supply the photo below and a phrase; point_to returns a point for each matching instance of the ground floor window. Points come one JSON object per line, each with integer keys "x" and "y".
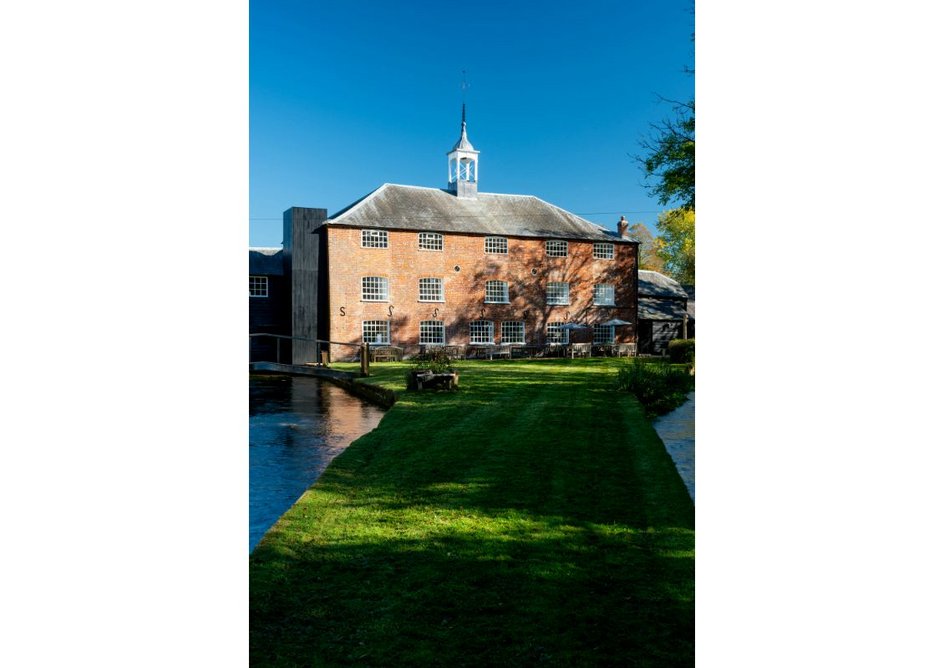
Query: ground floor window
{"x": 603, "y": 333}
{"x": 376, "y": 331}
{"x": 257, "y": 286}
{"x": 432, "y": 332}
{"x": 556, "y": 334}
{"x": 481, "y": 331}
{"x": 513, "y": 331}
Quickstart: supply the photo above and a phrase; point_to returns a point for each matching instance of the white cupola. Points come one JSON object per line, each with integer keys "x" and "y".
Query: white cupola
{"x": 463, "y": 165}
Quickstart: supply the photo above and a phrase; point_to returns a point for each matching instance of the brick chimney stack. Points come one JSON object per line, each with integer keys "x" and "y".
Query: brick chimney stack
{"x": 622, "y": 226}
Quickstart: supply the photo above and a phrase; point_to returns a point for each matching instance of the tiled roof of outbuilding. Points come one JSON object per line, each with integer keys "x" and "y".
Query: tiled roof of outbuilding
{"x": 660, "y": 309}
{"x": 654, "y": 284}
{"x": 435, "y": 210}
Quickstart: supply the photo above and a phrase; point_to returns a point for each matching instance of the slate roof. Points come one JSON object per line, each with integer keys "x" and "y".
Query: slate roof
{"x": 660, "y": 309}
{"x": 265, "y": 262}
{"x": 689, "y": 289}
{"x": 654, "y": 284}
{"x": 399, "y": 207}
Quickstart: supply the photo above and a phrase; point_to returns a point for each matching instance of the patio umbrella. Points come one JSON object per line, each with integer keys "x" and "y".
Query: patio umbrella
{"x": 616, "y": 322}
{"x": 573, "y": 325}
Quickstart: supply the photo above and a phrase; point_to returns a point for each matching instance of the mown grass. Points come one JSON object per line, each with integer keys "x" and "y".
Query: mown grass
{"x": 531, "y": 518}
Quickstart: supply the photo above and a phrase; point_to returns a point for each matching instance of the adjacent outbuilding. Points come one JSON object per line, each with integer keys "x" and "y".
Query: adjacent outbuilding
{"x": 663, "y": 312}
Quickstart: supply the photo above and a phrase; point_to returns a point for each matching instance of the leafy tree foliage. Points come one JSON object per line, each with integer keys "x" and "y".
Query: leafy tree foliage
{"x": 669, "y": 159}
{"x": 676, "y": 243}
{"x": 648, "y": 247}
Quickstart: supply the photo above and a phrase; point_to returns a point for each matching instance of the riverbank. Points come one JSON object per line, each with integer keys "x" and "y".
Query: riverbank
{"x": 676, "y": 429}
{"x": 297, "y": 425}
{"x": 533, "y": 516}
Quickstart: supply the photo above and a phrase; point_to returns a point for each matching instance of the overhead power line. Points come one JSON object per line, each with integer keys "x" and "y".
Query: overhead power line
{"x": 588, "y": 213}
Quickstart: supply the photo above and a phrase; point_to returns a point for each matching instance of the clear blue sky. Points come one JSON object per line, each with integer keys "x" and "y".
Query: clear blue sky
{"x": 345, "y": 96}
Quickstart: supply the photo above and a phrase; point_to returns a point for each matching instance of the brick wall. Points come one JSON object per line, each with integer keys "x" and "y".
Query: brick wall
{"x": 402, "y": 263}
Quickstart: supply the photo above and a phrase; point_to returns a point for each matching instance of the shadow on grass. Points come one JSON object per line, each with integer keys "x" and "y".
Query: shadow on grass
{"x": 563, "y": 596}
{"x": 533, "y": 517}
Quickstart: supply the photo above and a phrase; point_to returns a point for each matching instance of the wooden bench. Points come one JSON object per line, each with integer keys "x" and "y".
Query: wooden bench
{"x": 386, "y": 354}
{"x": 499, "y": 351}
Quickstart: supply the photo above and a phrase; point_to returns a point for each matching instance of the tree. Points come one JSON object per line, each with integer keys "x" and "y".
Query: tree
{"x": 676, "y": 243}
{"x": 670, "y": 158}
{"x": 648, "y": 247}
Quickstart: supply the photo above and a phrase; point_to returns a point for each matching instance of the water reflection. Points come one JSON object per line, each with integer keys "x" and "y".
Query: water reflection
{"x": 297, "y": 425}
{"x": 676, "y": 429}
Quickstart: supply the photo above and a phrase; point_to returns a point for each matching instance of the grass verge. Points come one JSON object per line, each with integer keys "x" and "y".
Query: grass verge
{"x": 659, "y": 386}
{"x": 532, "y": 517}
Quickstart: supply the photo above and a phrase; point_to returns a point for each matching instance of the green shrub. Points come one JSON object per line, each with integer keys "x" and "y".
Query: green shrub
{"x": 659, "y": 387}
{"x": 435, "y": 360}
{"x": 681, "y": 351}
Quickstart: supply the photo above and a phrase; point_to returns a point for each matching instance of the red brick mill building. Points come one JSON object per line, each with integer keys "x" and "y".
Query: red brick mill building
{"x": 414, "y": 267}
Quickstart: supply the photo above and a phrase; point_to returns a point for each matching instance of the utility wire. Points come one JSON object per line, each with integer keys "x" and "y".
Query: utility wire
{"x": 499, "y": 215}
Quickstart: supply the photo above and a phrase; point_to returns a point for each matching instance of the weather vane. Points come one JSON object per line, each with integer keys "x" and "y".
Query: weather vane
{"x": 464, "y": 86}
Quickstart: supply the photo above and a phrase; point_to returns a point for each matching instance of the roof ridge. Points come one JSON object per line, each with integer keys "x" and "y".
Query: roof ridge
{"x": 342, "y": 212}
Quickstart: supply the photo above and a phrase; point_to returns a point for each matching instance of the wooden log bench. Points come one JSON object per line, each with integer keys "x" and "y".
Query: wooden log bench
{"x": 426, "y": 380}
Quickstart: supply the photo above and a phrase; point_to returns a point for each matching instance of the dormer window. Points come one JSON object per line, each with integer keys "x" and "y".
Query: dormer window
{"x": 374, "y": 239}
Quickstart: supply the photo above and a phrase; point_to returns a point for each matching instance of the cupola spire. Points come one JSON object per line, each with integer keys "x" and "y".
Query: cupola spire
{"x": 463, "y": 165}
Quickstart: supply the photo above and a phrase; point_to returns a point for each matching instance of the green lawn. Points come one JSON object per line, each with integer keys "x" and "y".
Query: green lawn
{"x": 531, "y": 518}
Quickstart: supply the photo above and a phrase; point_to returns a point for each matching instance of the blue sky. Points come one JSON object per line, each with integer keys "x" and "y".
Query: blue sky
{"x": 347, "y": 96}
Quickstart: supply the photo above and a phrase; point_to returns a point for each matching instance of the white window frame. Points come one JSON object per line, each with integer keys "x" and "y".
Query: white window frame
{"x": 491, "y": 292}
{"x": 558, "y": 299}
{"x": 257, "y": 286}
{"x": 380, "y": 329}
{"x": 430, "y": 241}
{"x": 374, "y": 238}
{"x": 427, "y": 294}
{"x": 488, "y": 330}
{"x": 555, "y": 248}
{"x": 604, "y": 297}
{"x": 553, "y": 333}
{"x": 602, "y": 251}
{"x": 496, "y": 246}
{"x": 608, "y": 338}
{"x": 430, "y": 328}
{"x": 374, "y": 289}
{"x": 516, "y": 331}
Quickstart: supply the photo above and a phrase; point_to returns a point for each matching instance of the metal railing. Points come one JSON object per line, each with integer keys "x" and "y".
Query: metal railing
{"x": 321, "y": 354}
